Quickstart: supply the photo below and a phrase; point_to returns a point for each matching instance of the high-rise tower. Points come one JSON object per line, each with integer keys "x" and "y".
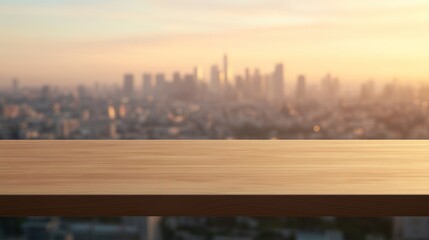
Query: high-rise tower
{"x": 300, "y": 87}
{"x": 128, "y": 86}
{"x": 225, "y": 70}
{"x": 147, "y": 84}
{"x": 214, "y": 78}
{"x": 278, "y": 82}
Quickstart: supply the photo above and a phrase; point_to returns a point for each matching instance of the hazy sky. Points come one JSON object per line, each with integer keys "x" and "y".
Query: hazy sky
{"x": 77, "y": 41}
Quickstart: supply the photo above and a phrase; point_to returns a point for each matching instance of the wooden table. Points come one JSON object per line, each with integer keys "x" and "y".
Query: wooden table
{"x": 214, "y": 177}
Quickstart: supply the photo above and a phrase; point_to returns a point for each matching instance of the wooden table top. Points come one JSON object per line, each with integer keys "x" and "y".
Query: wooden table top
{"x": 214, "y": 167}
{"x": 298, "y": 175}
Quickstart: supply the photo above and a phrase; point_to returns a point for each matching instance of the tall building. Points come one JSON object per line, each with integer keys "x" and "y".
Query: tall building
{"x": 266, "y": 85}
{"x": 278, "y": 83}
{"x": 159, "y": 84}
{"x": 225, "y": 70}
{"x": 300, "y": 88}
{"x": 247, "y": 82}
{"x": 147, "y": 85}
{"x": 215, "y": 78}
{"x": 256, "y": 83}
{"x": 198, "y": 73}
{"x": 177, "y": 78}
{"x": 189, "y": 87}
{"x": 128, "y": 86}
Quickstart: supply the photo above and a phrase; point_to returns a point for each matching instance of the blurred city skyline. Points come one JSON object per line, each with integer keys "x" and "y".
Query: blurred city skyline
{"x": 74, "y": 42}
{"x": 180, "y": 106}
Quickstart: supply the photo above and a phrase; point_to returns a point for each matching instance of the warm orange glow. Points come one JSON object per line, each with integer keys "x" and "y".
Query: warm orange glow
{"x": 355, "y": 39}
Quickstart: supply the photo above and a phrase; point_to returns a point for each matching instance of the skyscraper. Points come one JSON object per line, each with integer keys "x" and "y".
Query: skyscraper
{"x": 128, "y": 86}
{"x": 177, "y": 78}
{"x": 214, "y": 78}
{"x": 198, "y": 73}
{"x": 247, "y": 82}
{"x": 257, "y": 83}
{"x": 300, "y": 87}
{"x": 225, "y": 70}
{"x": 278, "y": 82}
{"x": 160, "y": 84}
{"x": 147, "y": 85}
{"x": 190, "y": 86}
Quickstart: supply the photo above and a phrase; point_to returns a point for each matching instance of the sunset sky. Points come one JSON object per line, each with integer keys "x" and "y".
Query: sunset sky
{"x": 77, "y": 41}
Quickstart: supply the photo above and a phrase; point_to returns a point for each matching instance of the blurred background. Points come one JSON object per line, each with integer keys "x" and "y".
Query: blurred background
{"x": 250, "y": 105}
{"x": 187, "y": 69}
{"x": 215, "y": 228}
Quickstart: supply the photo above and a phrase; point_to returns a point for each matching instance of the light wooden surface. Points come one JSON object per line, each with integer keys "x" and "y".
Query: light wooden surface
{"x": 220, "y": 167}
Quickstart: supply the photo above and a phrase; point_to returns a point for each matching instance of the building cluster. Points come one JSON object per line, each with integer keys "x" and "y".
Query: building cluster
{"x": 251, "y": 106}
{"x": 251, "y": 85}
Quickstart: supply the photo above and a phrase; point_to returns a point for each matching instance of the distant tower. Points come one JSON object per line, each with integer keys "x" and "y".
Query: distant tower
{"x": 128, "y": 86}
{"x": 247, "y": 83}
{"x": 198, "y": 73}
{"x": 257, "y": 83}
{"x": 147, "y": 84}
{"x": 239, "y": 85}
{"x": 215, "y": 81}
{"x": 190, "y": 86}
{"x": 266, "y": 85}
{"x": 278, "y": 82}
{"x": 225, "y": 70}
{"x": 160, "y": 84}
{"x": 300, "y": 88}
{"x": 177, "y": 79}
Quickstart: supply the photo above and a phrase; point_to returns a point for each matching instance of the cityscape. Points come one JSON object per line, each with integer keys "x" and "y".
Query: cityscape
{"x": 251, "y": 105}
{"x": 225, "y": 69}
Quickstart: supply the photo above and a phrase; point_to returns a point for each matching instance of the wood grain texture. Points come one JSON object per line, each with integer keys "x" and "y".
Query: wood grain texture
{"x": 213, "y": 167}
